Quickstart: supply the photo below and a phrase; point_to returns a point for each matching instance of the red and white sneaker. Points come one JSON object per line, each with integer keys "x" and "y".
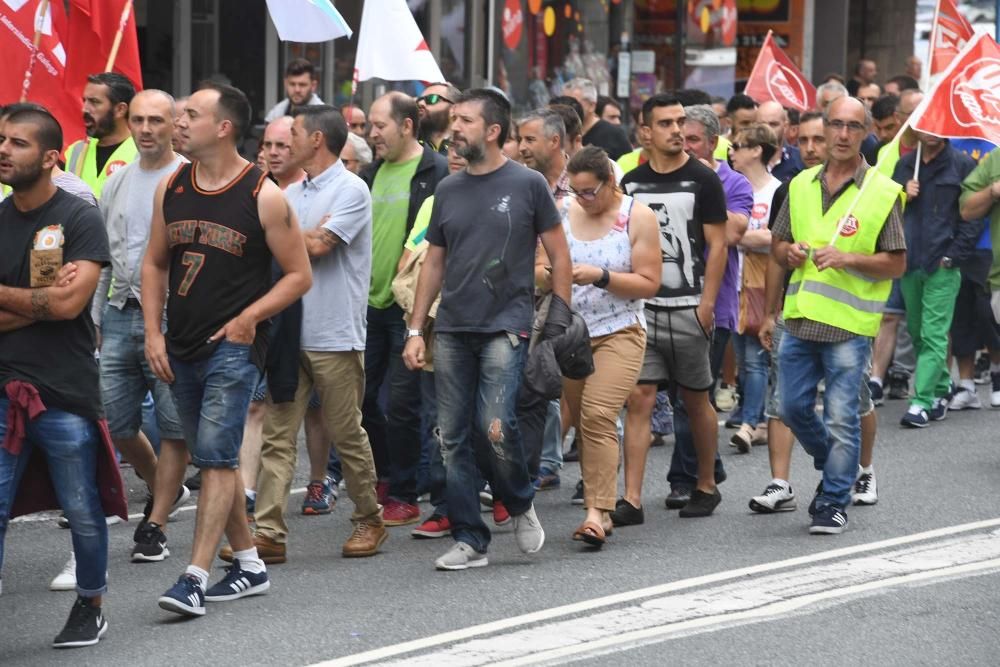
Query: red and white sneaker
{"x": 436, "y": 526}
{"x": 501, "y": 516}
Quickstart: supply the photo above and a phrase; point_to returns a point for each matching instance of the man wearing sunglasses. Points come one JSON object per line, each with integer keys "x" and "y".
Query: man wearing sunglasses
{"x": 435, "y": 114}
{"x": 834, "y": 300}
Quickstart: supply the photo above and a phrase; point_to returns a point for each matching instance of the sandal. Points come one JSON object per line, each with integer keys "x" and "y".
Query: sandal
{"x": 591, "y": 533}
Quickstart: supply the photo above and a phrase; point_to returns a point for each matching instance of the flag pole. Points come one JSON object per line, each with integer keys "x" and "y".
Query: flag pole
{"x": 925, "y": 77}
{"x": 43, "y": 9}
{"x": 118, "y": 36}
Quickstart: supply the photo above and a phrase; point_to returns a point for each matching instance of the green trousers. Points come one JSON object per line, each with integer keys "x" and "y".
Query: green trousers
{"x": 930, "y": 304}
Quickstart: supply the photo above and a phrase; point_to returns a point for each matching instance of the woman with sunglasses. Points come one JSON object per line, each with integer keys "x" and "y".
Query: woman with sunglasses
{"x": 751, "y": 151}
{"x": 614, "y": 243}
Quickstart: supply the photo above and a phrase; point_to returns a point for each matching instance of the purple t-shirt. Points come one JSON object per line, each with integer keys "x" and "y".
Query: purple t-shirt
{"x": 739, "y": 199}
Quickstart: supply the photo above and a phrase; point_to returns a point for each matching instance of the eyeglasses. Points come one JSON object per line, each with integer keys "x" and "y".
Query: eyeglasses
{"x": 433, "y": 98}
{"x": 839, "y": 125}
{"x": 737, "y": 147}
{"x": 445, "y": 144}
{"x": 586, "y": 195}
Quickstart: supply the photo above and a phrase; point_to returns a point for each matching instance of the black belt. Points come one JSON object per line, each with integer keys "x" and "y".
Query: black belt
{"x": 132, "y": 302}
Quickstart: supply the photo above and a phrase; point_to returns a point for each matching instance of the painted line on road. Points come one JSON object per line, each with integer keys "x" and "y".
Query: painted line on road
{"x": 455, "y": 636}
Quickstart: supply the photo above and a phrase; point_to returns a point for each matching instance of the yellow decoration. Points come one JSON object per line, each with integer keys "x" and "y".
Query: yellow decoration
{"x": 549, "y": 22}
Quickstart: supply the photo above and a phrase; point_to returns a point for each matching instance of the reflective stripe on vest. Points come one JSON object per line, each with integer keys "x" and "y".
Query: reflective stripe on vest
{"x": 75, "y": 154}
{"x": 842, "y": 298}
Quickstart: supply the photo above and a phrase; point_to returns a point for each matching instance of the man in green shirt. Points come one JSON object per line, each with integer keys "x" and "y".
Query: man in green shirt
{"x": 401, "y": 178}
{"x": 981, "y": 198}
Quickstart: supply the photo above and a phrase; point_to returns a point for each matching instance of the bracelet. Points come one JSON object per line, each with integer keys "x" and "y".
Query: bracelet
{"x": 604, "y": 279}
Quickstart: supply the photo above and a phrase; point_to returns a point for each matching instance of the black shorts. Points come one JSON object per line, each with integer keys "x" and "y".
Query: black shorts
{"x": 973, "y": 327}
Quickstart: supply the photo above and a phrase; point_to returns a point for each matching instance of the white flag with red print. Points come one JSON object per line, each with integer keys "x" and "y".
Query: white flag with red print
{"x": 391, "y": 47}
{"x": 775, "y": 77}
{"x": 949, "y": 35}
{"x": 966, "y": 101}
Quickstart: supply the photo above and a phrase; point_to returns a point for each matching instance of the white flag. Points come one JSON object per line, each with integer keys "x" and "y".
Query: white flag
{"x": 307, "y": 20}
{"x": 391, "y": 47}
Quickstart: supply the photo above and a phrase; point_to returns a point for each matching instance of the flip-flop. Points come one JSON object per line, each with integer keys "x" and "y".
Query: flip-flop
{"x": 591, "y": 533}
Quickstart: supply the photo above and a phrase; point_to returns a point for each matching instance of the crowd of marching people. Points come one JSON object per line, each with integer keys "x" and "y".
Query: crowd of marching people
{"x": 453, "y": 302}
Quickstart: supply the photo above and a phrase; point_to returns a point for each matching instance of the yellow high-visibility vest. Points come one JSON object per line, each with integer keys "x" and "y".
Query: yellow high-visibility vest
{"x": 839, "y": 297}
{"x": 81, "y": 159}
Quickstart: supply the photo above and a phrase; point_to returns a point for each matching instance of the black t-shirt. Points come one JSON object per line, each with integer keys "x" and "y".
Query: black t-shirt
{"x": 104, "y": 154}
{"x": 489, "y": 227}
{"x": 611, "y": 138}
{"x": 776, "y": 203}
{"x": 683, "y": 201}
{"x": 57, "y": 357}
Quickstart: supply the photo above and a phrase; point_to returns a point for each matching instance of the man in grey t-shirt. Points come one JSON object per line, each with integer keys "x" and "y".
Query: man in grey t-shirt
{"x": 126, "y": 377}
{"x": 483, "y": 234}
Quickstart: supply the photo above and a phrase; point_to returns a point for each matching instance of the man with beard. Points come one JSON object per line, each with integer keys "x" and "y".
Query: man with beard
{"x": 403, "y": 176}
{"x": 435, "y": 114}
{"x": 48, "y": 373}
{"x": 109, "y": 144}
{"x": 300, "y": 89}
{"x": 484, "y": 229}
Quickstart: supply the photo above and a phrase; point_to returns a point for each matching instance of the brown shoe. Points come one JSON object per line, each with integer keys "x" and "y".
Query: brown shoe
{"x": 365, "y": 540}
{"x": 268, "y": 550}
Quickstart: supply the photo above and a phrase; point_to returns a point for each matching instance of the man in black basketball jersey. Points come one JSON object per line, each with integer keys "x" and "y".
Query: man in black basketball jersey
{"x": 217, "y": 222}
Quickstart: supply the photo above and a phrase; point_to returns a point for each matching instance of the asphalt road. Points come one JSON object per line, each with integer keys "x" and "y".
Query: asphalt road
{"x": 928, "y": 599}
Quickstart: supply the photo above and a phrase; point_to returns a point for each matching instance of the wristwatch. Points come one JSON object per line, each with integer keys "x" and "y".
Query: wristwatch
{"x": 603, "y": 281}
{"x": 413, "y": 333}
{"x": 947, "y": 262}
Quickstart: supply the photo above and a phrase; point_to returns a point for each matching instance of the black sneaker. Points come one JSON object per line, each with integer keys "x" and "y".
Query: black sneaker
{"x": 627, "y": 514}
{"x": 899, "y": 386}
{"x": 701, "y": 504}
{"x": 194, "y": 481}
{"x": 829, "y": 520}
{"x": 878, "y": 396}
{"x": 678, "y": 498}
{"x": 577, "y": 498}
{"x": 150, "y": 544}
{"x": 182, "y": 496}
{"x": 85, "y": 626}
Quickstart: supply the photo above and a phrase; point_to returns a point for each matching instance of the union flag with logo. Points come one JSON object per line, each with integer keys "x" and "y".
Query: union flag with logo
{"x": 775, "y": 77}
{"x": 949, "y": 34}
{"x": 966, "y": 101}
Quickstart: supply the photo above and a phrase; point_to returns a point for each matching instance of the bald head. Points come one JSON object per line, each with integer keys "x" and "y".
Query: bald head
{"x": 276, "y": 145}
{"x": 151, "y": 123}
{"x": 395, "y": 124}
{"x": 773, "y": 115}
{"x": 846, "y": 123}
{"x": 909, "y": 100}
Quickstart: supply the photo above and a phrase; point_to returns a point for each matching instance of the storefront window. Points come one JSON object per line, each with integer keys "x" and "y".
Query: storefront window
{"x": 541, "y": 44}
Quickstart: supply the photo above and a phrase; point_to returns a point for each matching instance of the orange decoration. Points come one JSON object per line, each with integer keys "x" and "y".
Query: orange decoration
{"x": 568, "y": 10}
{"x": 534, "y": 6}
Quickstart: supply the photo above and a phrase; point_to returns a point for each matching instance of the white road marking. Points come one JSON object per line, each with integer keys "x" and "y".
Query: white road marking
{"x": 549, "y": 635}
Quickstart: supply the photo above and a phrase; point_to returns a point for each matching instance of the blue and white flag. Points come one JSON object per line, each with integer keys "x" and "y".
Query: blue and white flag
{"x": 307, "y": 20}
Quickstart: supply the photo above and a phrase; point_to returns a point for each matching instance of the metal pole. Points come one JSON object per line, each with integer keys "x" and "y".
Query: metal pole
{"x": 996, "y": 28}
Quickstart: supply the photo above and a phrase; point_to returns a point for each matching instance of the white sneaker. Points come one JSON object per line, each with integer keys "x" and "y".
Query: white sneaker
{"x": 865, "y": 489}
{"x": 528, "y": 532}
{"x": 66, "y": 580}
{"x": 742, "y": 439}
{"x": 760, "y": 435}
{"x": 776, "y": 498}
{"x": 461, "y": 557}
{"x": 965, "y": 400}
{"x": 995, "y": 394}
{"x": 725, "y": 398}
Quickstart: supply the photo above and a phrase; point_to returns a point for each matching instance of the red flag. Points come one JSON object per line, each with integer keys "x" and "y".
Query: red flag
{"x": 775, "y": 77}
{"x": 18, "y": 19}
{"x": 949, "y": 35}
{"x": 93, "y": 25}
{"x": 966, "y": 101}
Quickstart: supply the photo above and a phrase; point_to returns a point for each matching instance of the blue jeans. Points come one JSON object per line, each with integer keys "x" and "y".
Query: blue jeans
{"x": 69, "y": 443}
{"x": 552, "y": 458}
{"x": 477, "y": 377}
{"x": 834, "y": 441}
{"x": 126, "y": 377}
{"x": 753, "y": 361}
{"x": 212, "y": 397}
{"x": 395, "y": 438}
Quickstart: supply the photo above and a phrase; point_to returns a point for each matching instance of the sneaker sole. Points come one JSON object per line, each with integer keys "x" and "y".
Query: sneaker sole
{"x": 863, "y": 501}
{"x": 479, "y": 562}
{"x": 366, "y": 554}
{"x": 143, "y": 558}
{"x": 430, "y": 534}
{"x": 69, "y": 586}
{"x": 259, "y": 589}
{"x": 500, "y": 524}
{"x": 176, "y": 508}
{"x": 826, "y": 530}
{"x": 741, "y": 445}
{"x": 176, "y": 606}
{"x": 909, "y": 425}
{"x": 400, "y": 522}
{"x": 534, "y": 549}
{"x": 312, "y": 511}
{"x": 761, "y": 508}
{"x": 674, "y": 504}
{"x": 83, "y": 642}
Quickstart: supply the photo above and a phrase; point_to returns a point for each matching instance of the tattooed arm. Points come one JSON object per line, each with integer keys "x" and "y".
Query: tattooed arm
{"x": 52, "y": 303}
{"x": 320, "y": 241}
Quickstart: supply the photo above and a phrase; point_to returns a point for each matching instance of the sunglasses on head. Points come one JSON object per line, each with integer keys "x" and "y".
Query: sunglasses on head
{"x": 433, "y": 98}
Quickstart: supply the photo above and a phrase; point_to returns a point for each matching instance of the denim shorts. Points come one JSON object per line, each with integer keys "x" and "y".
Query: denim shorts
{"x": 212, "y": 397}
{"x": 895, "y": 305}
{"x": 865, "y": 406}
{"x": 126, "y": 377}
